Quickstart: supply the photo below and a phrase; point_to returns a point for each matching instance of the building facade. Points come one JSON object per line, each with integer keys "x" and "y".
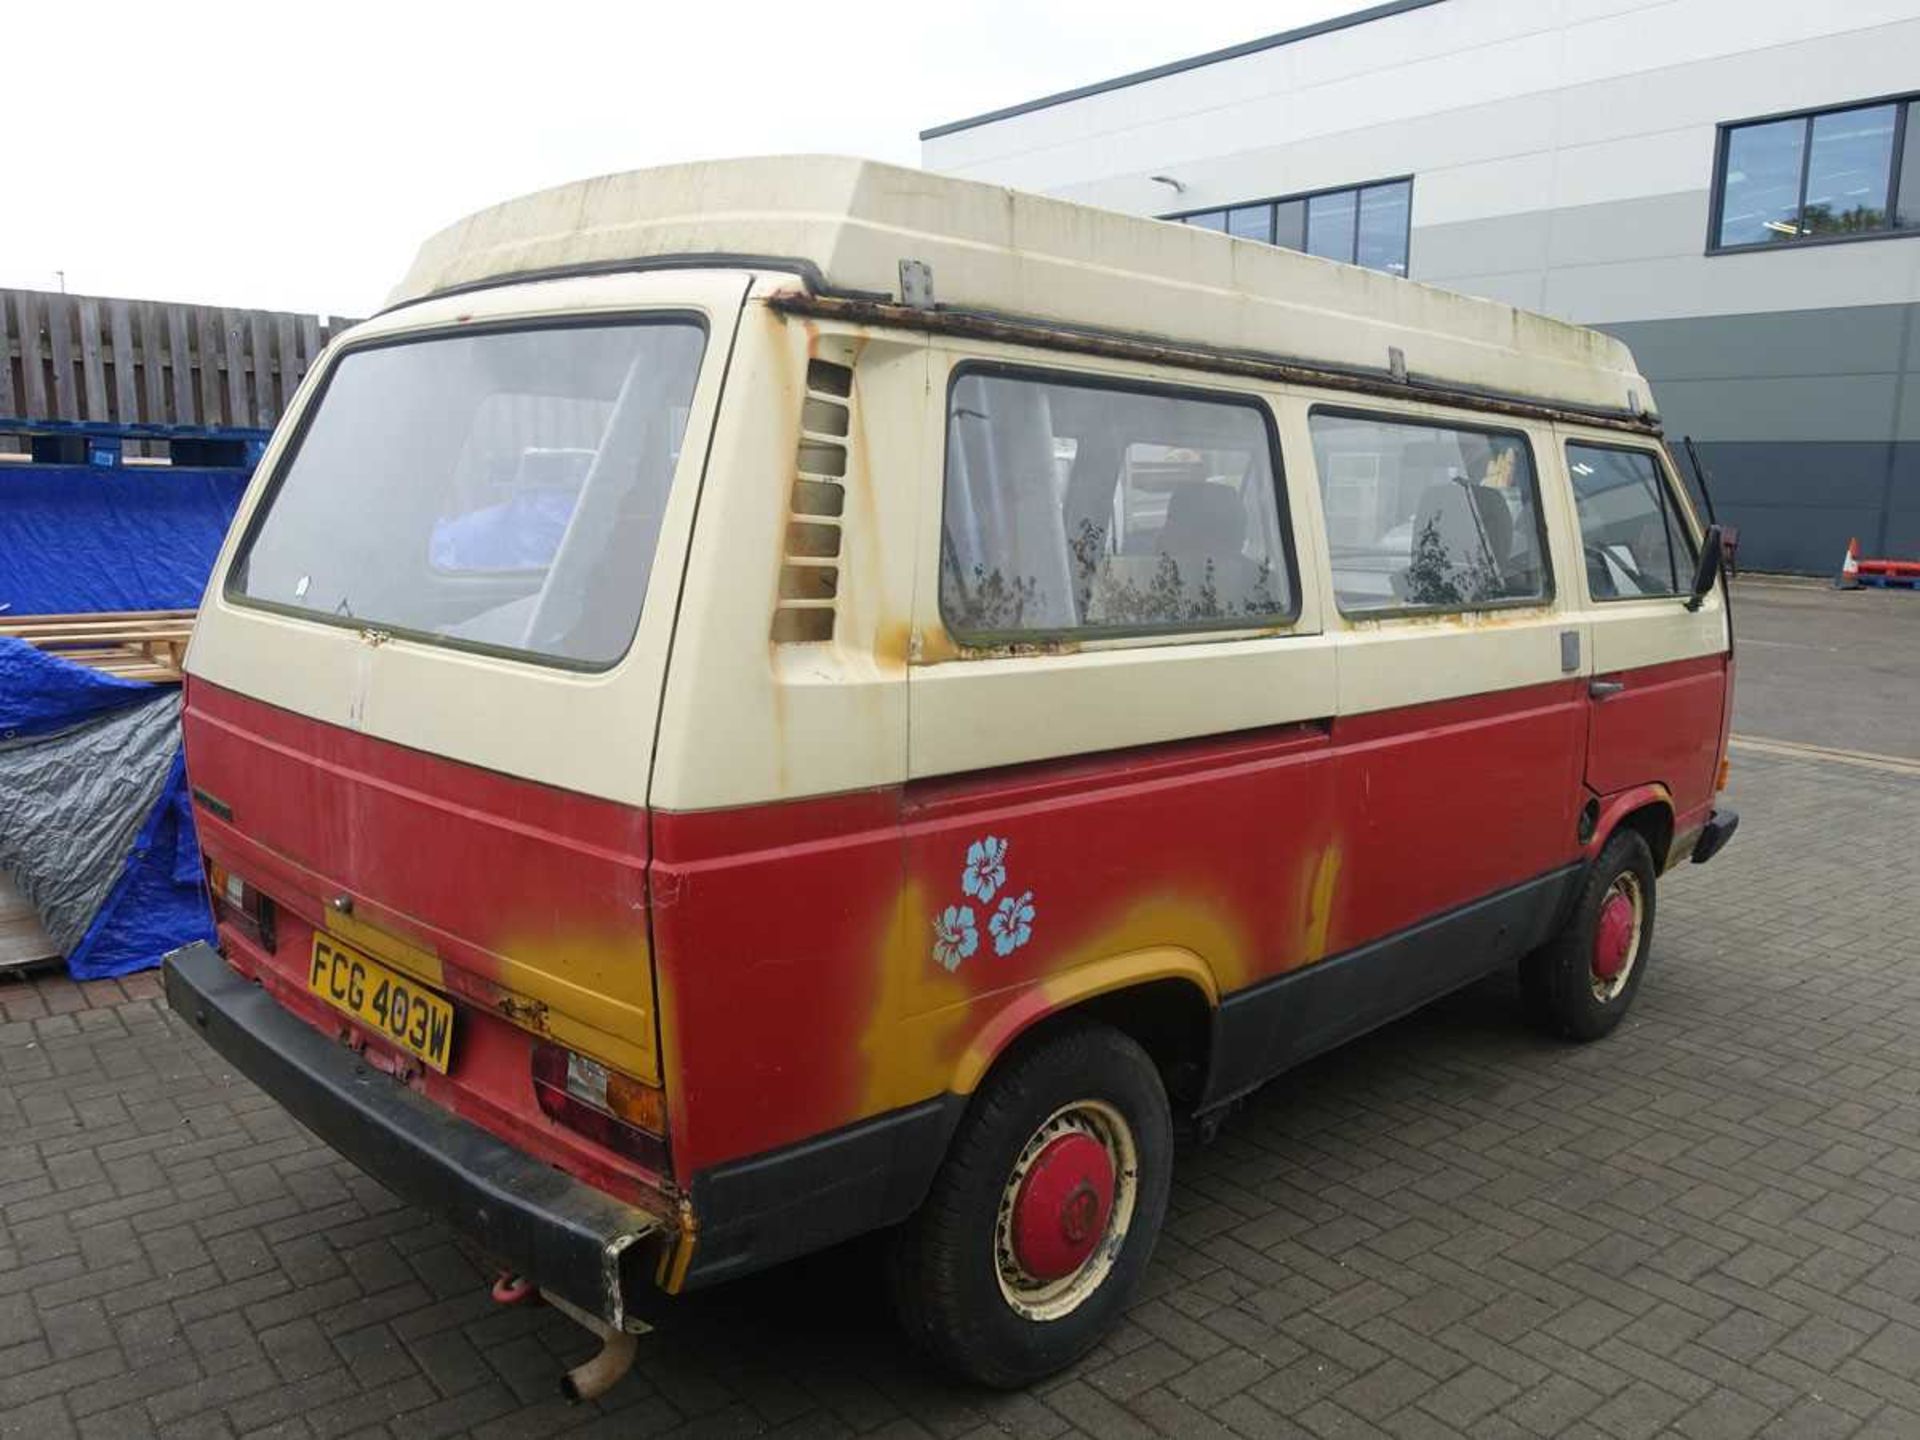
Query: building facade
{"x": 1730, "y": 186}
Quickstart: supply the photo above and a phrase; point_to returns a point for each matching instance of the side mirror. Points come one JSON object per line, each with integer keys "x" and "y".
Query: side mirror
{"x": 1707, "y": 573}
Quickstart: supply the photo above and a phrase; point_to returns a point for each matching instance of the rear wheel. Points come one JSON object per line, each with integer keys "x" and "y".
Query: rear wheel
{"x": 1042, "y": 1218}
{"x": 1581, "y": 983}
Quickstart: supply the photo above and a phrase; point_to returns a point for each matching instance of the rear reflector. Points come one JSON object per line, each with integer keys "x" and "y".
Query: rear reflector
{"x": 613, "y": 1109}
{"x": 1720, "y": 781}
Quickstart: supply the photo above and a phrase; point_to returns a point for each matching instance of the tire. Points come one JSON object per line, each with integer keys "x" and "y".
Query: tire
{"x": 1566, "y": 984}
{"x": 1020, "y": 1186}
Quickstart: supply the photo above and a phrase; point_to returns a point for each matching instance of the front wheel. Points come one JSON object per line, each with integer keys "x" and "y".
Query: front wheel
{"x": 1042, "y": 1218}
{"x": 1580, "y": 984}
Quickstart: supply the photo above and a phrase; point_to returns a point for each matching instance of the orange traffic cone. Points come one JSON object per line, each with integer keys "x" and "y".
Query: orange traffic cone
{"x": 1850, "y": 567}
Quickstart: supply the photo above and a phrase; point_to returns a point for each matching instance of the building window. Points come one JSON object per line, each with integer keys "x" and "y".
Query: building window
{"x": 1823, "y": 175}
{"x": 1359, "y": 224}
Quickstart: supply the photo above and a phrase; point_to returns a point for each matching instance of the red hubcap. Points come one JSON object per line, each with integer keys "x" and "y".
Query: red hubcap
{"x": 1613, "y": 937}
{"x": 1063, "y": 1207}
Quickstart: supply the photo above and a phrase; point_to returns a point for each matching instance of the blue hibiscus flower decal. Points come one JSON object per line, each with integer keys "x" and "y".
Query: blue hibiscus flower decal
{"x": 1012, "y": 923}
{"x": 954, "y": 936}
{"x": 986, "y": 868}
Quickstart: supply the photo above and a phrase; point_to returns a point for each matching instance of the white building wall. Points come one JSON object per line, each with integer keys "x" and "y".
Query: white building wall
{"x": 1589, "y": 122}
{"x": 1562, "y": 157}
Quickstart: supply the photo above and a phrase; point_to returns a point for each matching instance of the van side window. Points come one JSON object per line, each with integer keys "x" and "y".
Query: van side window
{"x": 1630, "y": 529}
{"x": 1428, "y": 517}
{"x": 1075, "y": 506}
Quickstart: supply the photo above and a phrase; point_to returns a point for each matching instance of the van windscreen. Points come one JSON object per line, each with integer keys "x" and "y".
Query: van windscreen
{"x": 497, "y": 490}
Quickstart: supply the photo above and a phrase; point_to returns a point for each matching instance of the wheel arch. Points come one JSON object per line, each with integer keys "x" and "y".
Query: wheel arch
{"x": 1164, "y": 1000}
{"x": 1645, "y": 808}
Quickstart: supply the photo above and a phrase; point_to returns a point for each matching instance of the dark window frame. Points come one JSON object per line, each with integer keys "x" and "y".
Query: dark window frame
{"x": 1239, "y": 626}
{"x": 1666, "y": 479}
{"x": 599, "y": 319}
{"x": 1722, "y": 142}
{"x": 1549, "y": 589}
{"x": 1181, "y": 217}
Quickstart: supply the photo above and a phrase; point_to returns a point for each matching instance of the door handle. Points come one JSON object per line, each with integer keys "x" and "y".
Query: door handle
{"x": 1601, "y": 689}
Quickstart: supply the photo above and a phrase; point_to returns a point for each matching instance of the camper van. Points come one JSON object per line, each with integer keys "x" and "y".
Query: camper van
{"x": 764, "y": 701}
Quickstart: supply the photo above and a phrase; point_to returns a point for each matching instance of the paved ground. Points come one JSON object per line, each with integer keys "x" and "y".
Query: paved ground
{"x": 1828, "y": 667}
{"x": 1707, "y": 1226}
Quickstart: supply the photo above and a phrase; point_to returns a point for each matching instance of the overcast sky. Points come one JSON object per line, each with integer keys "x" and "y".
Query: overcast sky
{"x": 292, "y": 156}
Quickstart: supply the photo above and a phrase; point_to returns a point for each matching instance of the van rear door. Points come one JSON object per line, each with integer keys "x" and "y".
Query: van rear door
{"x": 425, "y": 681}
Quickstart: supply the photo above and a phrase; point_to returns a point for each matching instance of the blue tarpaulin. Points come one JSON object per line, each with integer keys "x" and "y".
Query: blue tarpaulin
{"x": 84, "y": 537}
{"x": 95, "y": 825}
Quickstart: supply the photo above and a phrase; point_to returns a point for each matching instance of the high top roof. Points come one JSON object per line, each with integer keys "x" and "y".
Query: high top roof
{"x": 843, "y": 226}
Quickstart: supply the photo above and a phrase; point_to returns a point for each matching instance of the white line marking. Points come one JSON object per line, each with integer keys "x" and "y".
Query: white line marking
{"x": 1794, "y": 749}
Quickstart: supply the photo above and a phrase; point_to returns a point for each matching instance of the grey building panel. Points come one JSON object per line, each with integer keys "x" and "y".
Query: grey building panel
{"x": 1906, "y": 421}
{"x": 1809, "y": 422}
{"x": 1843, "y": 475}
{"x": 1439, "y": 253}
{"x": 1856, "y": 340}
{"x": 1780, "y": 408}
{"x": 1797, "y": 505}
{"x": 1658, "y": 226}
{"x": 1900, "y": 535}
{"x": 1637, "y": 229}
{"x": 1524, "y": 288}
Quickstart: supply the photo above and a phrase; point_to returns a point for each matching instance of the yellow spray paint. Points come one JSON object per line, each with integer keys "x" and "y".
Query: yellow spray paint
{"x": 1326, "y": 877}
{"x": 919, "y": 1011}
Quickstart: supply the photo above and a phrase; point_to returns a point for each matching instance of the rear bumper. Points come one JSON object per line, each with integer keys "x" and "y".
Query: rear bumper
{"x": 564, "y": 1235}
{"x": 1714, "y": 837}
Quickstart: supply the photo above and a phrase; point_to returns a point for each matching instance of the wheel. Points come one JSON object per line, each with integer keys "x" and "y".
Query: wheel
{"x": 1579, "y": 984}
{"x": 1044, "y": 1213}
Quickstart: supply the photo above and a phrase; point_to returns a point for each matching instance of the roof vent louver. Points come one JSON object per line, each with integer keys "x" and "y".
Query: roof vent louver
{"x": 810, "y": 571}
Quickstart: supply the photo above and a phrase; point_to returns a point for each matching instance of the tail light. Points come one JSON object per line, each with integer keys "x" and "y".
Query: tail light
{"x": 240, "y": 905}
{"x": 616, "y": 1110}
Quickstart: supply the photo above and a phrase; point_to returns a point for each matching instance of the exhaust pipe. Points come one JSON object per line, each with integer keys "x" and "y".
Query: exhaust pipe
{"x": 593, "y": 1377}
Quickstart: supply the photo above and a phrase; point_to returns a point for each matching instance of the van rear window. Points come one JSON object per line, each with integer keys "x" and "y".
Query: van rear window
{"x": 496, "y": 490}
{"x": 1428, "y": 517}
{"x": 1084, "y": 506}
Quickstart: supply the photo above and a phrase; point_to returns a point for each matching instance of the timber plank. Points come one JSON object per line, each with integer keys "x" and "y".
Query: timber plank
{"x": 180, "y": 356}
{"x": 153, "y": 362}
{"x": 233, "y": 355}
{"x": 66, "y": 401}
{"x": 9, "y": 398}
{"x": 33, "y": 387}
{"x": 206, "y": 326}
{"x": 265, "y": 413}
{"x": 93, "y": 361}
{"x": 126, "y": 394}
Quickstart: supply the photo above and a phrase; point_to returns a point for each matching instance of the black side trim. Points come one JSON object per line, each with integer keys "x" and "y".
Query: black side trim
{"x": 1175, "y": 67}
{"x": 1715, "y": 835}
{"x": 559, "y": 1232}
{"x": 1270, "y": 1027}
{"x": 757, "y": 1212}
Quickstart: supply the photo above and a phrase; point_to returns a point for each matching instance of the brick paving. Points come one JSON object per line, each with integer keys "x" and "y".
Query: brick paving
{"x": 1707, "y": 1226}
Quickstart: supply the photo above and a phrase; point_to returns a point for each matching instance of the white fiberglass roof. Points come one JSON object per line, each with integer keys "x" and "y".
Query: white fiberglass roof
{"x": 845, "y": 225}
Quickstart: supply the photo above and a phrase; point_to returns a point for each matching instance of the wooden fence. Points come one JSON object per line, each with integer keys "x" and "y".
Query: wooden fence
{"x": 139, "y": 363}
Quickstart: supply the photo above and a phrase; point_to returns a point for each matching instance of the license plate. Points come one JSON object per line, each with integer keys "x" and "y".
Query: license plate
{"x": 411, "y": 1016}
